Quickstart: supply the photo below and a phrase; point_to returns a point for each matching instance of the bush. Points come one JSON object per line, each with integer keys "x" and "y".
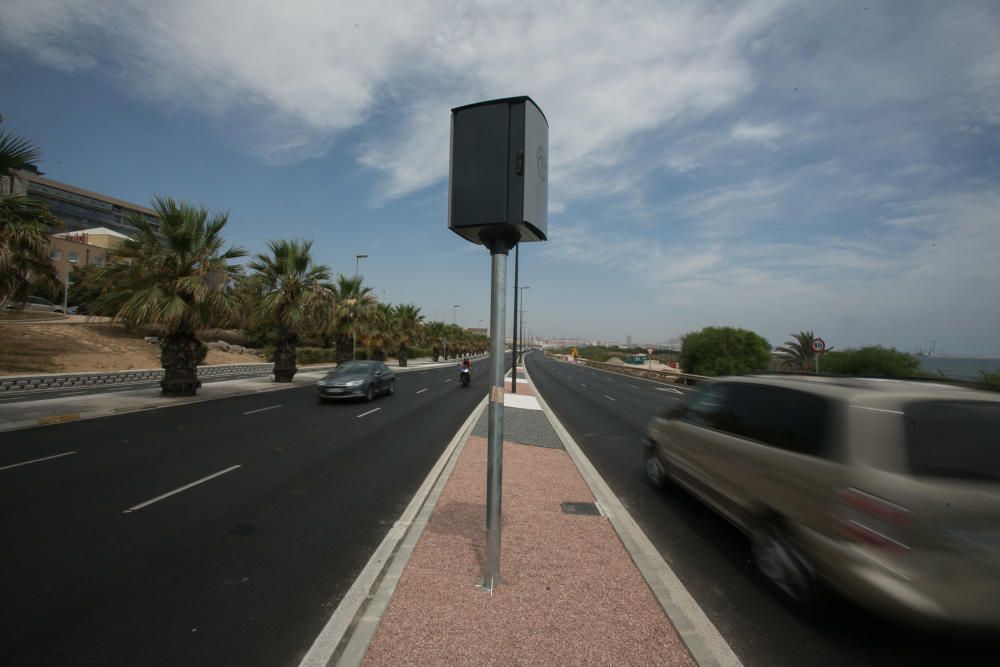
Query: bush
{"x": 724, "y": 351}
{"x": 990, "y": 380}
{"x": 317, "y": 355}
{"x": 873, "y": 360}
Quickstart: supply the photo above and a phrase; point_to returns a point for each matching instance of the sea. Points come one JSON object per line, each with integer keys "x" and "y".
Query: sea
{"x": 959, "y": 368}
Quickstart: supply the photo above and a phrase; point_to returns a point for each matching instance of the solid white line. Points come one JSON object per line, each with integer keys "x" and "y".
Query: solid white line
{"x": 262, "y": 409}
{"x": 367, "y": 413}
{"x": 609, "y": 398}
{"x": 422, "y": 390}
{"x": 864, "y": 407}
{"x": 333, "y": 632}
{"x": 178, "y": 490}
{"x": 44, "y": 458}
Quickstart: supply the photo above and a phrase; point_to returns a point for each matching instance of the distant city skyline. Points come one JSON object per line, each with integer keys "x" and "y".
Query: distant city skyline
{"x": 769, "y": 165}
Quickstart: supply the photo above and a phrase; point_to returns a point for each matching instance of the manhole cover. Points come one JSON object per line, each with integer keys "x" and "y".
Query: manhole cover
{"x": 581, "y": 508}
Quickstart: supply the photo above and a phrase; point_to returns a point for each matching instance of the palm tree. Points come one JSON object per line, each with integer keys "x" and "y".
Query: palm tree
{"x": 797, "y": 353}
{"x": 24, "y": 221}
{"x": 352, "y": 308}
{"x": 380, "y": 332}
{"x": 408, "y": 325}
{"x": 179, "y": 280}
{"x": 292, "y": 290}
{"x": 434, "y": 335}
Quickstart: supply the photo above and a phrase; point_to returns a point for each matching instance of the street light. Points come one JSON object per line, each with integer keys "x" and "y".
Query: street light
{"x": 453, "y": 312}
{"x": 521, "y": 337}
{"x": 354, "y": 334}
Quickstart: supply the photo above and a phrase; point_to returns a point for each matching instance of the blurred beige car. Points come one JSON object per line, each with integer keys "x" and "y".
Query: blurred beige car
{"x": 887, "y": 490}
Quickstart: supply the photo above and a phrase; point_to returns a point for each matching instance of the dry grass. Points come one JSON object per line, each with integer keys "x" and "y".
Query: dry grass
{"x": 56, "y": 348}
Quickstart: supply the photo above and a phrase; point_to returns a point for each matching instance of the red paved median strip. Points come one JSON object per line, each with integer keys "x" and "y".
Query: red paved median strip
{"x": 573, "y": 595}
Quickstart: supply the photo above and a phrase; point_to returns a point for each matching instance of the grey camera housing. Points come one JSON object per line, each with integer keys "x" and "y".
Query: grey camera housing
{"x": 498, "y": 173}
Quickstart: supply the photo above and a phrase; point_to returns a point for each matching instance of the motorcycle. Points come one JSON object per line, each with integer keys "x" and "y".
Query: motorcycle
{"x": 466, "y": 376}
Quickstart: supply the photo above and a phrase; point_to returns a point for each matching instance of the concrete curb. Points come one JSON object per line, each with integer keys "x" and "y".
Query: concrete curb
{"x": 705, "y": 643}
{"x": 352, "y": 626}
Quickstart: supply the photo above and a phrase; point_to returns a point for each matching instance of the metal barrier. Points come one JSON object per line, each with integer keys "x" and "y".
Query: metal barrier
{"x": 649, "y": 374}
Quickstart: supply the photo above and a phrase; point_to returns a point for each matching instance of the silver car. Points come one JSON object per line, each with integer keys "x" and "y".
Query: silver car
{"x": 37, "y": 303}
{"x": 887, "y": 490}
{"x": 357, "y": 379}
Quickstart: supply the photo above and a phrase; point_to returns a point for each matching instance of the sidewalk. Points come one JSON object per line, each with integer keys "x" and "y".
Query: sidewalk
{"x": 574, "y": 593}
{"x": 42, "y": 411}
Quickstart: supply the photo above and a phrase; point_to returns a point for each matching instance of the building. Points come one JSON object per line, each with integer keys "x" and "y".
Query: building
{"x": 80, "y": 209}
{"x": 87, "y": 247}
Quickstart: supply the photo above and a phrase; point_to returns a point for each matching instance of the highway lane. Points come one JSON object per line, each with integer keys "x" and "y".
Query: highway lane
{"x": 222, "y": 532}
{"x": 607, "y": 415}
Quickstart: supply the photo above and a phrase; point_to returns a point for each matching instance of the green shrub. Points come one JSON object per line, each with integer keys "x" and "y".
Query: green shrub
{"x": 990, "y": 380}
{"x": 724, "y": 351}
{"x": 872, "y": 360}
{"x": 317, "y": 355}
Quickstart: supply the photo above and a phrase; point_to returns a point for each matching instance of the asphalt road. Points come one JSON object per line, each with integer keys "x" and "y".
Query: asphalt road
{"x": 607, "y": 415}
{"x": 222, "y": 532}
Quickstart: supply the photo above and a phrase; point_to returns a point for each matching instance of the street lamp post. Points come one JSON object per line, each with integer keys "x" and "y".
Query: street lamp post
{"x": 518, "y": 339}
{"x": 453, "y": 308}
{"x": 354, "y": 334}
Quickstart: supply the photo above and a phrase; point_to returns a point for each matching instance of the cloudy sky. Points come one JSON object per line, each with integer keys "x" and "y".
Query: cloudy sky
{"x": 772, "y": 165}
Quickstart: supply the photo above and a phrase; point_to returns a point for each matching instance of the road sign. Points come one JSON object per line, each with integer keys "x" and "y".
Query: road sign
{"x": 650, "y": 350}
{"x": 818, "y": 345}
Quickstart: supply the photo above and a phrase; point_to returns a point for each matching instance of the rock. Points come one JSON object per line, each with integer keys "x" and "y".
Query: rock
{"x": 153, "y": 340}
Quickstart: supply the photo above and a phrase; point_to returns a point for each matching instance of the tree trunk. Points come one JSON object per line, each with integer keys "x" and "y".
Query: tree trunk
{"x": 402, "y": 356}
{"x": 179, "y": 354}
{"x": 436, "y": 353}
{"x": 378, "y": 354}
{"x": 344, "y": 349}
{"x": 284, "y": 358}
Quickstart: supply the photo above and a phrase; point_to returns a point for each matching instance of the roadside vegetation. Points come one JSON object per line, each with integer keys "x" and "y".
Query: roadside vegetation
{"x": 724, "y": 351}
{"x": 182, "y": 280}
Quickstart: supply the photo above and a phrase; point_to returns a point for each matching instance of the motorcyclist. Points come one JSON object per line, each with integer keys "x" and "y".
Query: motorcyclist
{"x": 465, "y": 367}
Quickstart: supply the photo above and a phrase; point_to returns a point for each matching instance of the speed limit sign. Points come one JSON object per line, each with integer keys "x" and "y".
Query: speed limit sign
{"x": 818, "y": 345}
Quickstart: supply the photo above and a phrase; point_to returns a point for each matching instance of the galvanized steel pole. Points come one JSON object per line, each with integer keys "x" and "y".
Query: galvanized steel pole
{"x": 494, "y": 461}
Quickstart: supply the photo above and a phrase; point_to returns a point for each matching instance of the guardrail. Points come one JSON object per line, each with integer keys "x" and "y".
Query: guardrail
{"x": 12, "y": 383}
{"x": 635, "y": 371}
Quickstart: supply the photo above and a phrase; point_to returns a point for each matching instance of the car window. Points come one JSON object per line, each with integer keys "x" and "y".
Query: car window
{"x": 785, "y": 418}
{"x": 954, "y": 439}
{"x": 353, "y": 368}
{"x": 382, "y": 368}
{"x": 705, "y": 405}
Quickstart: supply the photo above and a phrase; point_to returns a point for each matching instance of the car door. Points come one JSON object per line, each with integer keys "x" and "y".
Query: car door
{"x": 381, "y": 376}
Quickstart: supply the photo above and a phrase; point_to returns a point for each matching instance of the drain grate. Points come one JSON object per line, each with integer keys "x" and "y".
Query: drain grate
{"x": 581, "y": 508}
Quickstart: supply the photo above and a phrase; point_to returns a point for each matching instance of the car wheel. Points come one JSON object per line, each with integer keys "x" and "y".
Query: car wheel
{"x": 656, "y": 472}
{"x": 392, "y": 388}
{"x": 370, "y": 394}
{"x": 782, "y": 564}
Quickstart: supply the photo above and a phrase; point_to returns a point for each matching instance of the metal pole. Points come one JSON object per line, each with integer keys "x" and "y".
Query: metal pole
{"x": 494, "y": 461}
{"x": 66, "y": 292}
{"x": 513, "y": 370}
{"x": 817, "y": 362}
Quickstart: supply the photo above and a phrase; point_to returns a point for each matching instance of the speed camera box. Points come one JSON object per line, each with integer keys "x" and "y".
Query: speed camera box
{"x": 498, "y": 178}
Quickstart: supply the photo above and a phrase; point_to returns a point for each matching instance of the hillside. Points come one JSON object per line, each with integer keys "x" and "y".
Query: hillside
{"x": 56, "y": 348}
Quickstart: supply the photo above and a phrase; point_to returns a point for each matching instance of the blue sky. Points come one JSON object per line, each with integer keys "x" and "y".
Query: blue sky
{"x": 772, "y": 165}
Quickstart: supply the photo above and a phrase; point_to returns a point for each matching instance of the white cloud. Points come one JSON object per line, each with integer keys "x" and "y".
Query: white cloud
{"x": 764, "y": 133}
{"x": 312, "y": 69}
